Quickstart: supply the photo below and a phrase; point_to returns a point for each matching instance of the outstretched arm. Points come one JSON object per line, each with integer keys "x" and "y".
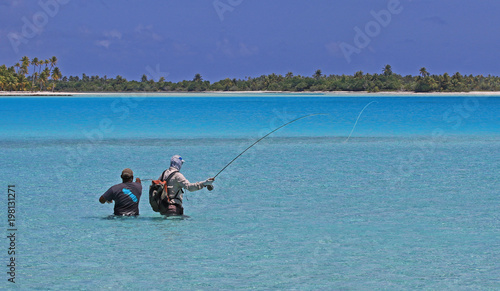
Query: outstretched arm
{"x": 192, "y": 186}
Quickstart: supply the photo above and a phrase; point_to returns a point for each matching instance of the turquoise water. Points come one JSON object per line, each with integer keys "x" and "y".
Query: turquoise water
{"x": 410, "y": 201}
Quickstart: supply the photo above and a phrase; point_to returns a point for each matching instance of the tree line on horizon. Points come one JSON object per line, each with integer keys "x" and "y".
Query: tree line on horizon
{"x": 17, "y": 78}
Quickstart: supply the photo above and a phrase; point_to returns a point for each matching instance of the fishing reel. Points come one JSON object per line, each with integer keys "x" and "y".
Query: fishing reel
{"x": 210, "y": 187}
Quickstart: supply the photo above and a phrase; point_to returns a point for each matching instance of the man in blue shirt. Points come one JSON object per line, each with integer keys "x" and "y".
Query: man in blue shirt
{"x": 126, "y": 195}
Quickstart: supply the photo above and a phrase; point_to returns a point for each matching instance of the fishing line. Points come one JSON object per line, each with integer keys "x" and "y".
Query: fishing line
{"x": 211, "y": 187}
{"x": 358, "y": 119}
{"x": 264, "y": 138}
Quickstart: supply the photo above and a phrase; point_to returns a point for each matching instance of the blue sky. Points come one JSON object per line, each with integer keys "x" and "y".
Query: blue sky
{"x": 239, "y": 38}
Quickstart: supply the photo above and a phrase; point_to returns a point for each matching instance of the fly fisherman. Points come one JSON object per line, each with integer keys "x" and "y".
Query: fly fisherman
{"x": 176, "y": 182}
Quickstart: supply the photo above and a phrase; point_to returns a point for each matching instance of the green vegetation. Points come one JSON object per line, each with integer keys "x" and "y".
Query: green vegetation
{"x": 17, "y": 78}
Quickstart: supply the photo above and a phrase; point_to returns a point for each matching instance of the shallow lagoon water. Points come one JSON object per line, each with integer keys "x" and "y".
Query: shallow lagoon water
{"x": 410, "y": 201}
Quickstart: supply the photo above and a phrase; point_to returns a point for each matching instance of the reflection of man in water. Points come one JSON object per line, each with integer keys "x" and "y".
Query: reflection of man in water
{"x": 126, "y": 195}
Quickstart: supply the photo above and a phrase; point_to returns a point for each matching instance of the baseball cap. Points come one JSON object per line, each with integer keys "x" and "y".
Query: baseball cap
{"x": 127, "y": 173}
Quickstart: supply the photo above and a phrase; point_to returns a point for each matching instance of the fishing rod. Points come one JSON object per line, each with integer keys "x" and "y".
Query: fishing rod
{"x": 211, "y": 187}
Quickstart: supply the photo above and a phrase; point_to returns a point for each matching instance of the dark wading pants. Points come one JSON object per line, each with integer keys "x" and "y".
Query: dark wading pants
{"x": 174, "y": 209}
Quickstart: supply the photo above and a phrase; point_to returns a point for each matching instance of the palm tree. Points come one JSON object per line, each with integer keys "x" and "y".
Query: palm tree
{"x": 25, "y": 64}
{"x": 25, "y": 60}
{"x": 317, "y": 74}
{"x": 21, "y": 80}
{"x": 387, "y": 70}
{"x": 423, "y": 72}
{"x": 35, "y": 77}
{"x": 40, "y": 63}
{"x": 358, "y": 75}
{"x": 24, "y": 70}
{"x": 41, "y": 80}
{"x": 40, "y": 76}
{"x": 53, "y": 62}
{"x": 56, "y": 75}
{"x": 34, "y": 62}
{"x": 11, "y": 86}
{"x": 197, "y": 78}
{"x": 17, "y": 65}
{"x": 44, "y": 77}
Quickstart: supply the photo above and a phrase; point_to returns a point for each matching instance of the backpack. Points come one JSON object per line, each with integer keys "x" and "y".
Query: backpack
{"x": 158, "y": 193}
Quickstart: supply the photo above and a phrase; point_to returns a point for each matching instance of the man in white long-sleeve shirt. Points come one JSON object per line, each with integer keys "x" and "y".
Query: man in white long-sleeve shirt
{"x": 176, "y": 182}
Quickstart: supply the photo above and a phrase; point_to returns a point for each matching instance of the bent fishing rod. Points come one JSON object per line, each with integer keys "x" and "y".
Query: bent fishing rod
{"x": 211, "y": 187}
